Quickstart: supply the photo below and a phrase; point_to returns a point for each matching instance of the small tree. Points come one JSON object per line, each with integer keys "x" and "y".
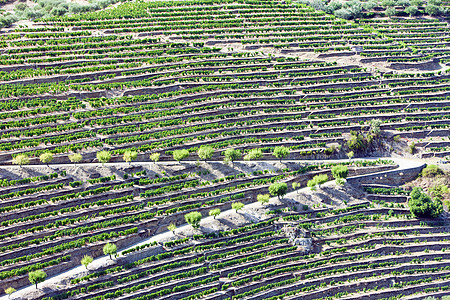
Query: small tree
{"x": 231, "y": 155}
{"x": 86, "y": 260}
{"x": 205, "y": 152}
{"x": 154, "y": 157}
{"x": 390, "y": 12}
{"x": 350, "y": 155}
{"x": 280, "y": 152}
{"x": 179, "y": 155}
{"x": 254, "y": 154}
{"x": 317, "y": 181}
{"x": 172, "y": 227}
{"x": 278, "y": 189}
{"x": 237, "y": 206}
{"x": 36, "y": 277}
{"x": 75, "y": 158}
{"x": 375, "y": 126}
{"x": 110, "y": 249}
{"x": 263, "y": 199}
{"x": 103, "y": 156}
{"x": 421, "y": 205}
{"x": 296, "y": 185}
{"x": 129, "y": 156}
{"x": 339, "y": 172}
{"x": 21, "y": 160}
{"x": 193, "y": 218}
{"x": 215, "y": 212}
{"x": 411, "y": 10}
{"x": 46, "y": 157}
{"x": 9, "y": 291}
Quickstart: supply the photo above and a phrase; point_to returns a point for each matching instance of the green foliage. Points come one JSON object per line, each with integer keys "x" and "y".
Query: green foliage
{"x": 193, "y": 218}
{"x": 340, "y": 181}
{"x": 86, "y": 260}
{"x": 237, "y": 206}
{"x": 103, "y": 156}
{"x": 431, "y": 171}
{"x": 205, "y": 152}
{"x": 36, "y": 277}
{"x": 76, "y": 157}
{"x": 421, "y": 205}
{"x": 254, "y": 154}
{"x": 46, "y": 157}
{"x": 317, "y": 181}
{"x": 339, "y": 171}
{"x": 280, "y": 152}
{"x": 179, "y": 155}
{"x": 154, "y": 156}
{"x": 214, "y": 212}
{"x": 396, "y": 138}
{"x": 9, "y": 291}
{"x": 129, "y": 156}
{"x": 375, "y": 126}
{"x": 411, "y": 11}
{"x": 412, "y": 148}
{"x": 390, "y": 12}
{"x": 350, "y": 154}
{"x": 110, "y": 249}
{"x": 172, "y": 227}
{"x": 21, "y": 160}
{"x": 278, "y": 189}
{"x": 356, "y": 141}
{"x": 263, "y": 198}
{"x": 232, "y": 154}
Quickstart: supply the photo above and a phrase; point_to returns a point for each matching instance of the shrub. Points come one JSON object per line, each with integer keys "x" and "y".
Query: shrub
{"x": 343, "y": 13}
{"x": 172, "y": 227}
{"x": 411, "y": 10}
{"x": 431, "y": 171}
{"x": 412, "y": 148}
{"x": 421, "y": 205}
{"x": 103, "y": 156}
{"x": 154, "y": 156}
{"x": 76, "y": 157}
{"x": 129, "y": 156}
{"x": 179, "y": 155}
{"x": 263, "y": 199}
{"x": 214, "y": 212}
{"x": 232, "y": 154}
{"x": 86, "y": 260}
{"x": 37, "y": 276}
{"x": 350, "y": 154}
{"x": 193, "y": 218}
{"x": 46, "y": 157}
{"x": 254, "y": 154}
{"x": 280, "y": 152}
{"x": 21, "y": 160}
{"x": 9, "y": 291}
{"x": 109, "y": 249}
{"x": 340, "y": 181}
{"x": 205, "y": 152}
{"x": 339, "y": 171}
{"x": 317, "y": 181}
{"x": 390, "y": 12}
{"x": 237, "y": 206}
{"x": 432, "y": 9}
{"x": 278, "y": 189}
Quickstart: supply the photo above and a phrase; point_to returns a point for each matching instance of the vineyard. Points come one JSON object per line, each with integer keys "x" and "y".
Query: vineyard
{"x": 187, "y": 150}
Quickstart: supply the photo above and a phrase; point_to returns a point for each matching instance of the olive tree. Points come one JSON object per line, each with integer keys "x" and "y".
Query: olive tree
{"x": 46, "y": 157}
{"x": 280, "y": 152}
{"x": 36, "y": 277}
{"x": 154, "y": 156}
{"x": 237, "y": 206}
{"x": 278, "y": 189}
{"x": 110, "y": 249}
{"x": 75, "y": 158}
{"x": 86, "y": 260}
{"x": 193, "y": 219}
{"x": 21, "y": 160}
{"x": 232, "y": 154}
{"x": 129, "y": 156}
{"x": 179, "y": 155}
{"x": 205, "y": 152}
{"x": 263, "y": 198}
{"x": 103, "y": 156}
{"x": 317, "y": 181}
{"x": 254, "y": 154}
{"x": 215, "y": 212}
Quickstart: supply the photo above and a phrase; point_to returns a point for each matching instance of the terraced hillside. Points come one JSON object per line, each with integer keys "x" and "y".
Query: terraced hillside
{"x": 141, "y": 85}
